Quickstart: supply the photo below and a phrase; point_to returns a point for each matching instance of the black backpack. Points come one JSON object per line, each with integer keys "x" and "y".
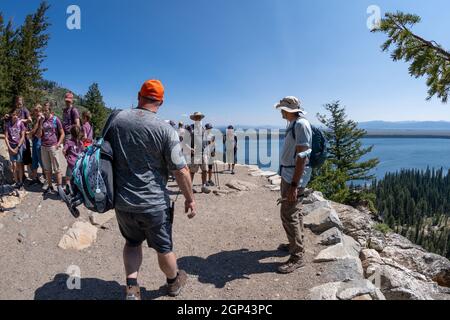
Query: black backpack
{"x": 319, "y": 148}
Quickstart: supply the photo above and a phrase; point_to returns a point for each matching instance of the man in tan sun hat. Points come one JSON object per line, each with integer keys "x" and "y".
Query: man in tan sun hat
{"x": 198, "y": 144}
{"x": 295, "y": 175}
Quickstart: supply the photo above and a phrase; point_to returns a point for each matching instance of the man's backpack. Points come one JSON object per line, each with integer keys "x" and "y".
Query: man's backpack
{"x": 92, "y": 182}
{"x": 319, "y": 147}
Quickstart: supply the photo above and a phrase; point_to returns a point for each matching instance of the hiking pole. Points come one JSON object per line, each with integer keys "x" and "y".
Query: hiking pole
{"x": 217, "y": 175}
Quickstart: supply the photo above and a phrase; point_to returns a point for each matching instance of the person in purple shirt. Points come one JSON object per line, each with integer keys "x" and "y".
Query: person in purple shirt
{"x": 73, "y": 148}
{"x": 71, "y": 116}
{"x": 51, "y": 132}
{"x": 25, "y": 116}
{"x": 88, "y": 129}
{"x": 15, "y": 139}
{"x": 24, "y": 113}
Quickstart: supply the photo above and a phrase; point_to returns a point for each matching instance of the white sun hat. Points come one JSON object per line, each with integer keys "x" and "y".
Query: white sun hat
{"x": 290, "y": 104}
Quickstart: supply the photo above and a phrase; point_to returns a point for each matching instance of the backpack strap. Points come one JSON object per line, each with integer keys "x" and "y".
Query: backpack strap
{"x": 108, "y": 124}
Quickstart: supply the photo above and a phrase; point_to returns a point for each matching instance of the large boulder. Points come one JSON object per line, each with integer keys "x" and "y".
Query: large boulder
{"x": 399, "y": 283}
{"x": 4, "y": 161}
{"x": 12, "y": 199}
{"x": 308, "y": 208}
{"x": 81, "y": 236}
{"x": 348, "y": 248}
{"x": 330, "y": 237}
{"x": 322, "y": 219}
{"x": 346, "y": 269}
{"x": 357, "y": 224}
{"x": 241, "y": 185}
{"x": 351, "y": 290}
{"x": 313, "y": 197}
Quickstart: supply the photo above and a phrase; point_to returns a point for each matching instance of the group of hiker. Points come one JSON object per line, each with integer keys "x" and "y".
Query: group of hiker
{"x": 146, "y": 151}
{"x": 39, "y": 139}
{"x": 198, "y": 144}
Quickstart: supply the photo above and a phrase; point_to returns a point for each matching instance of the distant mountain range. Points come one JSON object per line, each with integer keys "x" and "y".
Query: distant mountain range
{"x": 406, "y": 125}
{"x": 377, "y": 126}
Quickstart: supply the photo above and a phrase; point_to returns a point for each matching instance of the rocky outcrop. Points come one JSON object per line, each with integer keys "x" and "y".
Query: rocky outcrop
{"x": 361, "y": 263}
{"x": 400, "y": 250}
{"x": 351, "y": 290}
{"x": 357, "y": 252}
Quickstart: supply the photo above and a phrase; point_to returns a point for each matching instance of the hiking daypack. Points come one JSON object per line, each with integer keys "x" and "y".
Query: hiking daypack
{"x": 92, "y": 182}
{"x": 319, "y": 147}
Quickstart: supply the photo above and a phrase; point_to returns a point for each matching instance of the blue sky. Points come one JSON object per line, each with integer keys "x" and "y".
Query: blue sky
{"x": 234, "y": 59}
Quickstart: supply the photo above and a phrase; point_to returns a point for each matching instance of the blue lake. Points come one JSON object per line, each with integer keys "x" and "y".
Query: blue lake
{"x": 394, "y": 153}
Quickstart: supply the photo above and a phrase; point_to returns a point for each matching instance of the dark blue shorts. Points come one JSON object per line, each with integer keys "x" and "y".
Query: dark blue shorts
{"x": 155, "y": 228}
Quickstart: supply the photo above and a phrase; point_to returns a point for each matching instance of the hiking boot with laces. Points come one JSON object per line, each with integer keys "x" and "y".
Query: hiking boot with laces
{"x": 133, "y": 293}
{"x": 174, "y": 289}
{"x": 291, "y": 265}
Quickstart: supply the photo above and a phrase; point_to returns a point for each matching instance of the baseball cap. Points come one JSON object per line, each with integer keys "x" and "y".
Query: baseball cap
{"x": 153, "y": 89}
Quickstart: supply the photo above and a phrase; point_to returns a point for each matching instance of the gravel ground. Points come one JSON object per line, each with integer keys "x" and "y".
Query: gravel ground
{"x": 228, "y": 250}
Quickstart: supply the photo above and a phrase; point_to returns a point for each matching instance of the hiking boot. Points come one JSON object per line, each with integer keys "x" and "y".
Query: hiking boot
{"x": 174, "y": 289}
{"x": 34, "y": 182}
{"x": 284, "y": 247}
{"x": 133, "y": 293}
{"x": 291, "y": 265}
{"x": 49, "y": 191}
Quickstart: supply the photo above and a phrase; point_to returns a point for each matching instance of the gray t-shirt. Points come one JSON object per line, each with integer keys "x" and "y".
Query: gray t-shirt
{"x": 145, "y": 150}
{"x": 303, "y": 135}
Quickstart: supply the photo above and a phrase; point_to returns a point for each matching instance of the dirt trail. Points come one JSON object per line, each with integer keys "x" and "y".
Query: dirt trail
{"x": 228, "y": 250}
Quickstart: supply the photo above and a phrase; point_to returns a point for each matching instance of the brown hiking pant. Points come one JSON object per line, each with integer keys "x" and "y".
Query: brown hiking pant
{"x": 292, "y": 219}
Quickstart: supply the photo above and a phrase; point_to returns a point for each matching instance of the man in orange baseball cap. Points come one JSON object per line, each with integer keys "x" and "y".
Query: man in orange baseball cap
{"x": 152, "y": 90}
{"x": 146, "y": 149}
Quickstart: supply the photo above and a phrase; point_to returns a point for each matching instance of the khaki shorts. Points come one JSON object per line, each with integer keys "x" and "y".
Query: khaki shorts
{"x": 51, "y": 159}
{"x": 193, "y": 168}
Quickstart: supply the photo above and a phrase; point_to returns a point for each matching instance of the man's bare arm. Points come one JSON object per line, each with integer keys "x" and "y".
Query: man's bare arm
{"x": 300, "y": 164}
{"x": 183, "y": 178}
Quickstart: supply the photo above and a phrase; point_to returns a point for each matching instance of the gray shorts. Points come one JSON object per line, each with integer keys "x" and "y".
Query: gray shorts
{"x": 155, "y": 228}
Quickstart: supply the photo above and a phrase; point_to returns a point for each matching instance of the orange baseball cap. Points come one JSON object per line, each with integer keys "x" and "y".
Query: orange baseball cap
{"x": 152, "y": 89}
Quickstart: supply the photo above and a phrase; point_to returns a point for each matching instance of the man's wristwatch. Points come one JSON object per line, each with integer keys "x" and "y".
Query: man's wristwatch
{"x": 294, "y": 184}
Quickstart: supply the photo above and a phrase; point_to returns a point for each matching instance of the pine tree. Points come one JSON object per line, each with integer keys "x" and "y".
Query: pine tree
{"x": 93, "y": 101}
{"x": 346, "y": 149}
{"x": 21, "y": 55}
{"x": 427, "y": 58}
{"x": 32, "y": 40}
{"x": 8, "y": 47}
{"x": 344, "y": 165}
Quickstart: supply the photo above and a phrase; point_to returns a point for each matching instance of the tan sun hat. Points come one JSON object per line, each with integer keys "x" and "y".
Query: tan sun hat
{"x": 290, "y": 104}
{"x": 197, "y": 115}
